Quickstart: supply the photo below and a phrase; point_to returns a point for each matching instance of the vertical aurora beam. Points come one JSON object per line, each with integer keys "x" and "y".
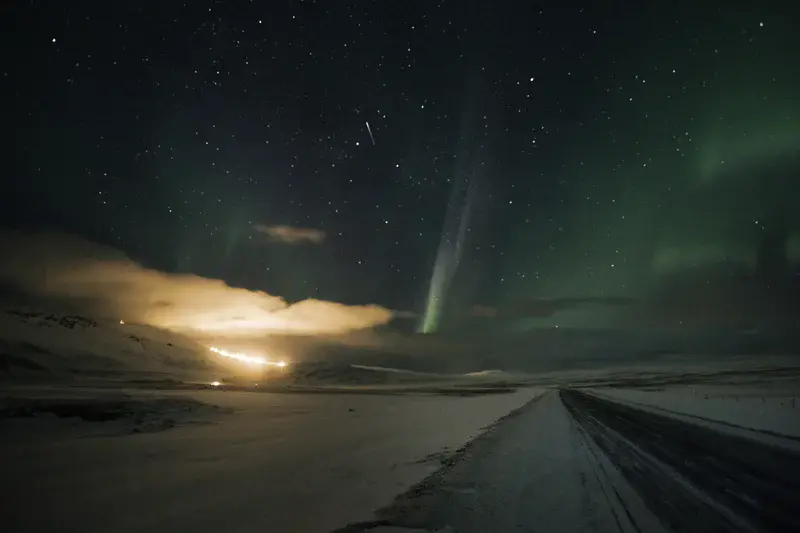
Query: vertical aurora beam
{"x": 459, "y": 207}
{"x": 449, "y": 253}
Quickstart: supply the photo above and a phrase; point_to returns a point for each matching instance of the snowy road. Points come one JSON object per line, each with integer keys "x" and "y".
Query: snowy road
{"x": 574, "y": 462}
{"x": 606, "y": 460}
{"x": 724, "y": 482}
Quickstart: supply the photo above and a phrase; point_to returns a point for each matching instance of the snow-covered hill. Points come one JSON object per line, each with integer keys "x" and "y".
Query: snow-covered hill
{"x": 44, "y": 345}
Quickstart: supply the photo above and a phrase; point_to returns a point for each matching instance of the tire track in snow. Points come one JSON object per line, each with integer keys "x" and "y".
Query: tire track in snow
{"x": 692, "y": 477}
{"x": 531, "y": 473}
{"x": 571, "y": 461}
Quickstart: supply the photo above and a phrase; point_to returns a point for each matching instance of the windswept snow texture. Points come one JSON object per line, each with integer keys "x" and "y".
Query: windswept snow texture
{"x": 557, "y": 460}
{"x": 537, "y": 472}
{"x": 82, "y": 412}
{"x": 281, "y": 462}
{"x": 694, "y": 477}
{"x": 573, "y": 461}
{"x": 769, "y": 410}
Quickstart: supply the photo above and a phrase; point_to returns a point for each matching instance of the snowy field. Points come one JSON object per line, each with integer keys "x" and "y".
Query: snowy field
{"x": 769, "y": 412}
{"x": 653, "y": 458}
{"x": 107, "y": 426}
{"x": 577, "y": 461}
{"x": 255, "y": 462}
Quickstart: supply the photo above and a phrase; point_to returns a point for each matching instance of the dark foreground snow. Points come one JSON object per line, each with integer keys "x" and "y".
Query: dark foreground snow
{"x": 278, "y": 462}
{"x": 603, "y": 460}
{"x": 535, "y": 472}
{"x": 572, "y": 461}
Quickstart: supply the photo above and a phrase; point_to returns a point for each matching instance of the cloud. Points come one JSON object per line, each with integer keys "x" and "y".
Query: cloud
{"x": 291, "y": 234}
{"x": 111, "y": 284}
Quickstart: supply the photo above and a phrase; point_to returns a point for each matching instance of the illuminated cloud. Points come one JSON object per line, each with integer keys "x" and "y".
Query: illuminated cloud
{"x": 291, "y": 234}
{"x": 111, "y": 284}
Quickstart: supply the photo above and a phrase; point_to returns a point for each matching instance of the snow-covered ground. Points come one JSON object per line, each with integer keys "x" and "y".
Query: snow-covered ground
{"x": 537, "y": 472}
{"x": 90, "y": 440}
{"x": 42, "y": 345}
{"x": 572, "y": 462}
{"x": 278, "y": 462}
{"x": 769, "y": 412}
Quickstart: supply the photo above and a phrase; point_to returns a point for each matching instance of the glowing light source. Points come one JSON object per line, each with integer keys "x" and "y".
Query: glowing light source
{"x": 251, "y": 359}
{"x": 215, "y": 383}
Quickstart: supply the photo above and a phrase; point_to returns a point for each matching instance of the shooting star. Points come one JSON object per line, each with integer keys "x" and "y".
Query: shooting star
{"x": 370, "y": 133}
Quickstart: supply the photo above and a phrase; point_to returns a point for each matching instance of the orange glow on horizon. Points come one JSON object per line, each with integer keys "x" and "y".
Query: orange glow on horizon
{"x": 251, "y": 359}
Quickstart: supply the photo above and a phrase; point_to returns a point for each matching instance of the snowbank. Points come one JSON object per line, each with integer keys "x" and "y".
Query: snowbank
{"x": 770, "y": 412}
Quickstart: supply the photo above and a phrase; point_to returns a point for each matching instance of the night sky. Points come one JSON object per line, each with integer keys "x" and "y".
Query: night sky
{"x": 361, "y": 152}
